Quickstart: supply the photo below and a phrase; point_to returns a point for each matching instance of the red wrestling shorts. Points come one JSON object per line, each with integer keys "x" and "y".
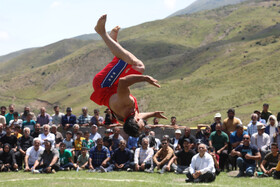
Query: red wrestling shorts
{"x": 105, "y": 83}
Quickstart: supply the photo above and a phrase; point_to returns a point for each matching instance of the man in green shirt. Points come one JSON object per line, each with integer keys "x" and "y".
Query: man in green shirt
{"x": 265, "y": 112}
{"x": 65, "y": 158}
{"x": 219, "y": 141}
{"x": 88, "y": 143}
{"x": 9, "y": 116}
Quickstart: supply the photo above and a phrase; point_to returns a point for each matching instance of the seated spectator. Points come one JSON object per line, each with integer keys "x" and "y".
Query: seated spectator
{"x": 47, "y": 161}
{"x": 7, "y": 159}
{"x": 219, "y": 140}
{"x": 2, "y": 132}
{"x": 181, "y": 161}
{"x": 10, "y": 139}
{"x": 216, "y": 159}
{"x": 187, "y": 134}
{"x": 276, "y": 137}
{"x": 202, "y": 166}
{"x": 247, "y": 154}
{"x": 24, "y": 143}
{"x": 109, "y": 121}
{"x": 29, "y": 123}
{"x": 158, "y": 142}
{"x": 252, "y": 126}
{"x": 43, "y": 117}
{"x": 271, "y": 127}
{"x": 229, "y": 124}
{"x": 270, "y": 161}
{"x": 265, "y": 112}
{"x": 259, "y": 117}
{"x": 76, "y": 129}
{"x": 57, "y": 116}
{"x": 88, "y": 143}
{"x": 116, "y": 138}
{"x": 69, "y": 142}
{"x": 94, "y": 134}
{"x": 3, "y": 122}
{"x": 78, "y": 144}
{"x": 17, "y": 132}
{"x": 16, "y": 121}
{"x": 65, "y": 158}
{"x": 261, "y": 140}
{"x": 143, "y": 157}
{"x": 163, "y": 156}
{"x": 32, "y": 154}
{"x": 82, "y": 161}
{"x": 69, "y": 119}
{"x": 146, "y": 134}
{"x": 121, "y": 158}
{"x": 217, "y": 119}
{"x": 132, "y": 143}
{"x": 37, "y": 130}
{"x": 175, "y": 140}
{"x": 277, "y": 170}
{"x": 84, "y": 119}
{"x": 236, "y": 139}
{"x": 47, "y": 136}
{"x": 26, "y": 111}
{"x": 96, "y": 119}
{"x": 107, "y": 140}
{"x": 99, "y": 157}
{"x": 203, "y": 135}
{"x": 58, "y": 136}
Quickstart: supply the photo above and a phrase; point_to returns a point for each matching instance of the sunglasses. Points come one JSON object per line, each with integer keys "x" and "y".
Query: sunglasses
{"x": 246, "y": 138}
{"x": 163, "y": 143}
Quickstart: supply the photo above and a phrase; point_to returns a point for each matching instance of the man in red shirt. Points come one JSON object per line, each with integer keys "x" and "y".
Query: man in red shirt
{"x": 111, "y": 85}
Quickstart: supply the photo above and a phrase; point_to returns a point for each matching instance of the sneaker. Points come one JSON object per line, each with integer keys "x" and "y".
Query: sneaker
{"x": 35, "y": 171}
{"x": 53, "y": 171}
{"x": 67, "y": 169}
{"x": 149, "y": 170}
{"x": 91, "y": 170}
{"x": 16, "y": 170}
{"x": 188, "y": 180}
{"x": 102, "y": 169}
{"x": 129, "y": 170}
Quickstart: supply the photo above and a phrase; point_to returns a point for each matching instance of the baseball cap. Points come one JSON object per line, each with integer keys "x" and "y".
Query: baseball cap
{"x": 218, "y": 115}
{"x": 178, "y": 131}
{"x": 68, "y": 109}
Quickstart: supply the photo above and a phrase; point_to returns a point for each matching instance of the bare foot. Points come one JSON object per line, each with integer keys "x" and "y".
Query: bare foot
{"x": 114, "y": 33}
{"x": 100, "y": 26}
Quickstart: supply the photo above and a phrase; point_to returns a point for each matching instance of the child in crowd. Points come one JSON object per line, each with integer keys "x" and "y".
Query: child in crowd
{"x": 82, "y": 161}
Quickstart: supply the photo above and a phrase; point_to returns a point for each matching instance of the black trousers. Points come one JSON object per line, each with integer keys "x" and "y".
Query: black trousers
{"x": 206, "y": 177}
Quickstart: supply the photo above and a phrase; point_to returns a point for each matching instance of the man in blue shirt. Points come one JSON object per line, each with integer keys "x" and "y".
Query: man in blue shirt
{"x": 121, "y": 158}
{"x": 99, "y": 157}
{"x": 68, "y": 120}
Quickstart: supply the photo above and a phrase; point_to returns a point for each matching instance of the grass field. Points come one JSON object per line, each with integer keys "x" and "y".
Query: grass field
{"x": 83, "y": 178}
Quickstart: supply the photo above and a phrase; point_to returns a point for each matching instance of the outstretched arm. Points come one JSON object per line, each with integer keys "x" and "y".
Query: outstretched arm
{"x": 158, "y": 114}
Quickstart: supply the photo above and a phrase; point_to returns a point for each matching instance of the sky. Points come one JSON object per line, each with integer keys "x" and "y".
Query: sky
{"x": 36, "y": 23}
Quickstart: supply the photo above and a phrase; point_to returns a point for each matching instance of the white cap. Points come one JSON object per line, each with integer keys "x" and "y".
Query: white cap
{"x": 178, "y": 131}
{"x": 217, "y": 115}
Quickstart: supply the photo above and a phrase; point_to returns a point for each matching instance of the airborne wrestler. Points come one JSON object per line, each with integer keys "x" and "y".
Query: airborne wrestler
{"x": 111, "y": 85}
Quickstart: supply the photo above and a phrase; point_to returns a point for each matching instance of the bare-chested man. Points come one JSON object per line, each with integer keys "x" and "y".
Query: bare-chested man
{"x": 111, "y": 85}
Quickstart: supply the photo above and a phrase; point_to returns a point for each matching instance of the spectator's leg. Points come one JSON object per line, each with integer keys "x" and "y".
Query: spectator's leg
{"x": 250, "y": 171}
{"x": 111, "y": 167}
{"x": 189, "y": 177}
{"x": 56, "y": 167}
{"x": 207, "y": 177}
{"x": 126, "y": 166}
{"x": 240, "y": 164}
{"x": 175, "y": 168}
{"x": 276, "y": 175}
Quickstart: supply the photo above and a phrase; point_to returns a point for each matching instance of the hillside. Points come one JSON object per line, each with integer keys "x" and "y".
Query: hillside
{"x": 200, "y": 5}
{"x": 205, "y": 62}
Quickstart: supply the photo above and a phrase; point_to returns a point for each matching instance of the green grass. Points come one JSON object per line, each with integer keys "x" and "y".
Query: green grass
{"x": 83, "y": 178}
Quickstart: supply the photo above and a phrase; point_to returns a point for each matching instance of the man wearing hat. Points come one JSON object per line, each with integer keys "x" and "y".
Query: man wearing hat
{"x": 247, "y": 154}
{"x": 229, "y": 124}
{"x": 276, "y": 137}
{"x": 68, "y": 120}
{"x": 261, "y": 140}
{"x": 175, "y": 140}
{"x": 217, "y": 119}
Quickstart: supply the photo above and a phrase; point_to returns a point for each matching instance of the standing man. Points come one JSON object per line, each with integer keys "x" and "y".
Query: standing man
{"x": 265, "y": 112}
{"x": 57, "y": 116}
{"x": 84, "y": 119}
{"x": 26, "y": 111}
{"x": 43, "y": 118}
{"x": 69, "y": 119}
{"x": 111, "y": 85}
{"x": 10, "y": 116}
{"x": 96, "y": 119}
{"x": 229, "y": 124}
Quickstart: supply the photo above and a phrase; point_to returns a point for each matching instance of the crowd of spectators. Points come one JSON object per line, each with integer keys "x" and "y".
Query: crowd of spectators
{"x": 34, "y": 143}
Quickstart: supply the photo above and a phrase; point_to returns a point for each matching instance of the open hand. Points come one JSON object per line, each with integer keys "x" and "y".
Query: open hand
{"x": 152, "y": 81}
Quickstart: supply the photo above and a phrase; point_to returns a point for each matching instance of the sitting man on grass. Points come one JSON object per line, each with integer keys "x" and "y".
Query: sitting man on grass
{"x": 99, "y": 157}
{"x": 202, "y": 167}
{"x": 82, "y": 161}
{"x": 32, "y": 154}
{"x": 270, "y": 161}
{"x": 47, "y": 161}
{"x": 163, "y": 156}
{"x": 247, "y": 156}
{"x": 65, "y": 158}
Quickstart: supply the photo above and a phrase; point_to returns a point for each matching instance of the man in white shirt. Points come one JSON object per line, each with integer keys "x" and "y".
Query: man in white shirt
{"x": 94, "y": 135}
{"x": 202, "y": 167}
{"x": 57, "y": 116}
{"x": 46, "y": 135}
{"x": 261, "y": 140}
{"x": 143, "y": 157}
{"x": 32, "y": 154}
{"x": 252, "y": 126}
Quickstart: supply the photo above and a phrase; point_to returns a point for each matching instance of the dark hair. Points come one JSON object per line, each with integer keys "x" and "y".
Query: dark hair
{"x": 3, "y": 107}
{"x": 55, "y": 107}
{"x": 274, "y": 144}
{"x": 266, "y": 104}
{"x": 173, "y": 117}
{"x": 80, "y": 133}
{"x": 62, "y": 144}
{"x": 231, "y": 110}
{"x": 131, "y": 127}
{"x": 15, "y": 114}
{"x": 86, "y": 132}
